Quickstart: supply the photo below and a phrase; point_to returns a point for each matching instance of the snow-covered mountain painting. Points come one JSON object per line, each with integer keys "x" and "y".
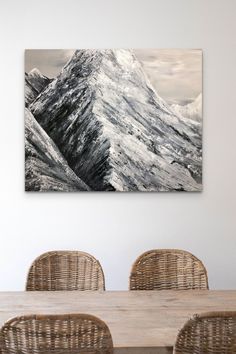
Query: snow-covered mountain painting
{"x": 113, "y": 120}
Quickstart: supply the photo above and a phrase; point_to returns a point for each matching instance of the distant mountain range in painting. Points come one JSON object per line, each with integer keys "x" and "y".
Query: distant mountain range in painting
{"x": 100, "y": 125}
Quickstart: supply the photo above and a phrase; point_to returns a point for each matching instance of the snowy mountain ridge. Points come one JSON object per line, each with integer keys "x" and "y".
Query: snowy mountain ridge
{"x": 45, "y": 167}
{"x": 192, "y": 110}
{"x": 115, "y": 132}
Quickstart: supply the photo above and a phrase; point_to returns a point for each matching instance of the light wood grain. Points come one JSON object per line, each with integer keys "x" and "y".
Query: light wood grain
{"x": 140, "y": 321}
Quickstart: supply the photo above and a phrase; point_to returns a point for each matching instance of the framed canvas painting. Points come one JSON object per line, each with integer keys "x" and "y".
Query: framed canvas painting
{"x": 113, "y": 120}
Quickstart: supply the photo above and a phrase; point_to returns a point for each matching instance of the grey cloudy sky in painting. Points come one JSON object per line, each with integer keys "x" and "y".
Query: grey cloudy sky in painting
{"x": 48, "y": 61}
{"x": 176, "y": 74}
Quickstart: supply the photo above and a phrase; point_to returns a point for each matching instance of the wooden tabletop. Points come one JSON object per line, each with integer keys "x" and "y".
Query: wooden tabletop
{"x": 144, "y": 322}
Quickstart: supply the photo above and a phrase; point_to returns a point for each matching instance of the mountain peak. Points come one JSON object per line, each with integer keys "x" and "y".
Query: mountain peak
{"x": 198, "y": 98}
{"x": 91, "y": 62}
{"x": 35, "y": 83}
{"x": 113, "y": 129}
{"x": 35, "y": 72}
{"x": 192, "y": 110}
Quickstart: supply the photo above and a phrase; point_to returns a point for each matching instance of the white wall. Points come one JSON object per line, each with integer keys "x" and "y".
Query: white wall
{"x": 118, "y": 227}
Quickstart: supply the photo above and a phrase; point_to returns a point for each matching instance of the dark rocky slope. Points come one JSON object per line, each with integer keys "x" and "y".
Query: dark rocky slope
{"x": 45, "y": 167}
{"x": 115, "y": 132}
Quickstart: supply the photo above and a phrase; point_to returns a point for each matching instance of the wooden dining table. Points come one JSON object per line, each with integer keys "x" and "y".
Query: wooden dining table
{"x": 144, "y": 322}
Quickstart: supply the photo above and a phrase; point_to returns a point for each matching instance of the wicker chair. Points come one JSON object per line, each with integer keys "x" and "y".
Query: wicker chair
{"x": 55, "y": 334}
{"x": 209, "y": 333}
{"x": 65, "y": 270}
{"x": 167, "y": 269}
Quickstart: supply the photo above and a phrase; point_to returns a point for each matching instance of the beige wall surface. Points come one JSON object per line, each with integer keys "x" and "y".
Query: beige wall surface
{"x": 116, "y": 228}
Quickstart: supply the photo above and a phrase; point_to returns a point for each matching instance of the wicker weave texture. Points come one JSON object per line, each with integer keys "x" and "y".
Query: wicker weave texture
{"x": 65, "y": 270}
{"x": 166, "y": 269}
{"x": 209, "y": 333}
{"x": 55, "y": 334}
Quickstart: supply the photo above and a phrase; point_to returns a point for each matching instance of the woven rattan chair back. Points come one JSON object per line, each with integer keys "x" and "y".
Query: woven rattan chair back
{"x": 65, "y": 270}
{"x": 166, "y": 269}
{"x": 55, "y": 334}
{"x": 209, "y": 333}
